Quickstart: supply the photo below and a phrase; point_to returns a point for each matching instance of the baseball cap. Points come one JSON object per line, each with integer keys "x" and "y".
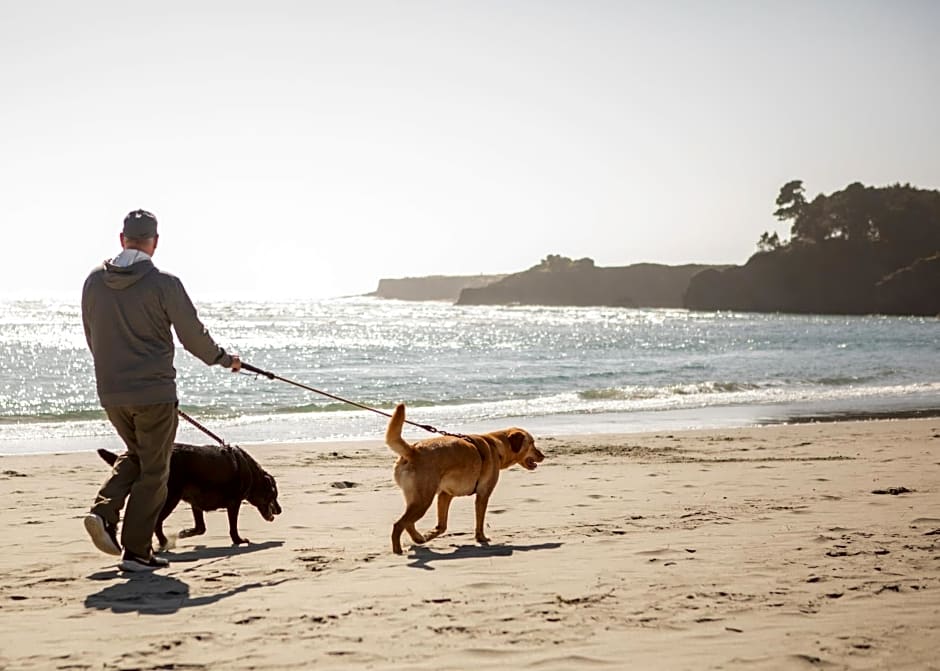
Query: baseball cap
{"x": 140, "y": 225}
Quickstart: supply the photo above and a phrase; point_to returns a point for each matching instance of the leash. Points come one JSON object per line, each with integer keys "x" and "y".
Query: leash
{"x": 272, "y": 376}
{"x": 202, "y": 428}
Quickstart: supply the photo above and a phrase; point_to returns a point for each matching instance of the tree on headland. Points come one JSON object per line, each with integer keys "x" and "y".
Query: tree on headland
{"x": 903, "y": 218}
{"x": 858, "y": 250}
{"x": 768, "y": 242}
{"x": 790, "y": 206}
{"x": 556, "y": 262}
{"x": 804, "y": 216}
{"x": 790, "y": 201}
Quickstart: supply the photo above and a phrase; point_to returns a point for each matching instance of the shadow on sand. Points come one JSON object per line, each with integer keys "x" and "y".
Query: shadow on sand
{"x": 423, "y": 556}
{"x": 201, "y": 552}
{"x": 158, "y": 594}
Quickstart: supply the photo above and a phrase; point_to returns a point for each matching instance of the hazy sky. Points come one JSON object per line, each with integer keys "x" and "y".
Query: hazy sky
{"x": 294, "y": 149}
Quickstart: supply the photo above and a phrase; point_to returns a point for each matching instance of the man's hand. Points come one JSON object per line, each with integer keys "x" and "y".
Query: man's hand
{"x": 236, "y": 363}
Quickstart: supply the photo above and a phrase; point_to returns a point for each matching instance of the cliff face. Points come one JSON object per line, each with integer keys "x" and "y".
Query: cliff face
{"x": 828, "y": 277}
{"x": 914, "y": 290}
{"x": 433, "y": 288}
{"x": 582, "y": 284}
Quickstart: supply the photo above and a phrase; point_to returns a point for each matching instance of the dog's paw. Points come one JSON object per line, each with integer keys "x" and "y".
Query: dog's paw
{"x": 240, "y": 541}
{"x": 482, "y": 540}
{"x": 187, "y": 533}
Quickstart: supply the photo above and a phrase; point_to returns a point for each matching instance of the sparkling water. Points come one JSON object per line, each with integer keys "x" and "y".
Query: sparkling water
{"x": 476, "y": 368}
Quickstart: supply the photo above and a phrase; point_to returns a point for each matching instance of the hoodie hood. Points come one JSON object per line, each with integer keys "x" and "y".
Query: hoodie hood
{"x": 122, "y": 277}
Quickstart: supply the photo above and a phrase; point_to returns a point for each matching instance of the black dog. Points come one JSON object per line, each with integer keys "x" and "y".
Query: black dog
{"x": 209, "y": 477}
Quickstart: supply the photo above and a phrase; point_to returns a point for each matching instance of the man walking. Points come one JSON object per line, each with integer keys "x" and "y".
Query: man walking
{"x": 128, "y": 307}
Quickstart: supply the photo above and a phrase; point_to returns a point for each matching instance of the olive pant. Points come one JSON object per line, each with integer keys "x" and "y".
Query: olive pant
{"x": 139, "y": 476}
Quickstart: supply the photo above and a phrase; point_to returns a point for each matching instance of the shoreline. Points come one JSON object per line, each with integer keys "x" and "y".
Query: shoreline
{"x": 636, "y": 422}
{"x": 780, "y": 546}
{"x": 864, "y": 416}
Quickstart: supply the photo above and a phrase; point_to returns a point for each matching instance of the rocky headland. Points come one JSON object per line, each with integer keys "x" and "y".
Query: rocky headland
{"x": 558, "y": 280}
{"x": 431, "y": 288}
{"x": 861, "y": 250}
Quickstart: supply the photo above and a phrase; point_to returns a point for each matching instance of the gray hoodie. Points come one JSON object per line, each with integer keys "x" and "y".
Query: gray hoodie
{"x": 127, "y": 313}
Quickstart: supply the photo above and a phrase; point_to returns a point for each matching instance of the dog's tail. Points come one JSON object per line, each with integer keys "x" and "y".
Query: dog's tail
{"x": 393, "y": 434}
{"x": 109, "y": 457}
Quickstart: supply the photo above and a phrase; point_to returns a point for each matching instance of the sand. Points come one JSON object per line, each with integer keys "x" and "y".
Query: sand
{"x": 757, "y": 548}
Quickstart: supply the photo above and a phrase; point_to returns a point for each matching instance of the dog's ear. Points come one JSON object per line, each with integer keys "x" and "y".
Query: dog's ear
{"x": 516, "y": 440}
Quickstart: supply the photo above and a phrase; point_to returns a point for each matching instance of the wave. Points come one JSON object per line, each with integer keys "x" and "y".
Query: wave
{"x": 51, "y": 416}
{"x": 601, "y": 399}
{"x": 384, "y": 405}
{"x": 642, "y": 393}
{"x": 845, "y": 380}
{"x": 647, "y": 392}
{"x": 226, "y": 412}
{"x": 98, "y": 414}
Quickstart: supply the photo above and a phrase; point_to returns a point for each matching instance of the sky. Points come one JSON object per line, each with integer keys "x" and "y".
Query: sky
{"x": 307, "y": 149}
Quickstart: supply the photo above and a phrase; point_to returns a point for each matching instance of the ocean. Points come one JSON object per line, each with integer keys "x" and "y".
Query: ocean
{"x": 468, "y": 369}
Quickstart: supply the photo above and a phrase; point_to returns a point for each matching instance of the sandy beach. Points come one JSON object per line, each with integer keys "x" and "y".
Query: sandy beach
{"x": 804, "y": 546}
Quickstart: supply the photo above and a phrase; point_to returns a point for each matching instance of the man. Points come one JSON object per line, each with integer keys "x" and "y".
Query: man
{"x": 128, "y": 307}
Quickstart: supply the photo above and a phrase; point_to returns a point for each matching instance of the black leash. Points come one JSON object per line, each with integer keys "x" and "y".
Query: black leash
{"x": 272, "y": 376}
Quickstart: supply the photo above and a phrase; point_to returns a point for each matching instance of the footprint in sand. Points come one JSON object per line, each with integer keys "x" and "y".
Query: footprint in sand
{"x": 249, "y": 619}
{"x": 925, "y": 521}
{"x": 928, "y": 522}
{"x": 812, "y": 660}
{"x": 658, "y": 552}
{"x": 315, "y": 563}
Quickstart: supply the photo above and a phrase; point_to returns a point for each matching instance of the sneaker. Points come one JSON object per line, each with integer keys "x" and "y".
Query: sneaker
{"x": 103, "y": 535}
{"x": 132, "y": 562}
